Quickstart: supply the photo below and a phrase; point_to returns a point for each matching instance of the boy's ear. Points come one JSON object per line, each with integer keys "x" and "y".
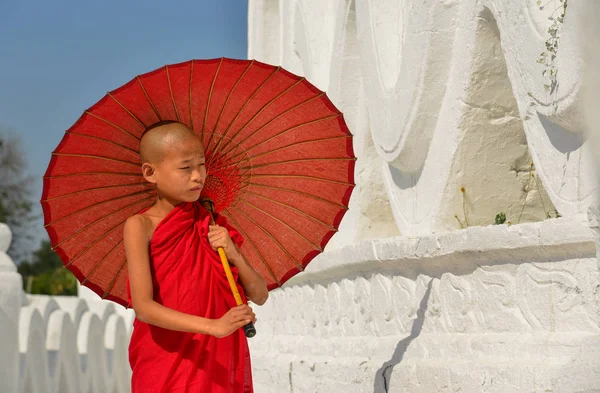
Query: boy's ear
{"x": 149, "y": 172}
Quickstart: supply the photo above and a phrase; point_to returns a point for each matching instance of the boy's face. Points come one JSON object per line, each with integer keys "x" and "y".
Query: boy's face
{"x": 180, "y": 172}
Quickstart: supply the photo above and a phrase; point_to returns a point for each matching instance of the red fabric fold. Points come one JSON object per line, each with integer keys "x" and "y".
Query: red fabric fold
{"x": 188, "y": 276}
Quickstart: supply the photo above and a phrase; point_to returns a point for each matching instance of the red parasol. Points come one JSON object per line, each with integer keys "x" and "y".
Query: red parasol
{"x": 279, "y": 159}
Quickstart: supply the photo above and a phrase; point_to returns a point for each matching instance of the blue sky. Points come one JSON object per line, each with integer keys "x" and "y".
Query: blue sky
{"x": 59, "y": 57}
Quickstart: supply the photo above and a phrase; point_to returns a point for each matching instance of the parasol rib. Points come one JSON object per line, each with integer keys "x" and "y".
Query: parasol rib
{"x": 303, "y": 177}
{"x": 93, "y": 173}
{"x": 256, "y": 166}
{"x": 127, "y": 110}
{"x": 212, "y": 86}
{"x": 103, "y": 139}
{"x": 273, "y": 119}
{"x": 112, "y": 124}
{"x": 293, "y": 144}
{"x": 91, "y": 273}
{"x": 262, "y": 109}
{"x": 114, "y": 280}
{"x": 215, "y": 164}
{"x": 301, "y": 143}
{"x": 272, "y": 238}
{"x": 96, "y": 221}
{"x": 148, "y": 98}
{"x": 225, "y": 104}
{"x": 94, "y": 156}
{"x": 296, "y": 192}
{"x": 72, "y": 260}
{"x": 254, "y": 146}
{"x": 171, "y": 92}
{"x": 262, "y": 258}
{"x": 283, "y": 223}
{"x": 190, "y": 94}
{"x": 246, "y": 104}
{"x": 97, "y": 188}
{"x": 96, "y": 204}
{"x": 292, "y": 208}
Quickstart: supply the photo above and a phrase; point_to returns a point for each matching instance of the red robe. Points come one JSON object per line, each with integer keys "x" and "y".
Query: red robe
{"x": 187, "y": 276}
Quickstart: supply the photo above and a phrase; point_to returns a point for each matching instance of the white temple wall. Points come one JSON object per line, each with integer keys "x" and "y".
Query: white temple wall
{"x": 590, "y": 31}
{"x": 452, "y": 125}
{"x": 496, "y": 309}
{"x": 446, "y": 85}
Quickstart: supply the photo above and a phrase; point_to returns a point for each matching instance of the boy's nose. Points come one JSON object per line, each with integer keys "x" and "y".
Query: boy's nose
{"x": 196, "y": 175}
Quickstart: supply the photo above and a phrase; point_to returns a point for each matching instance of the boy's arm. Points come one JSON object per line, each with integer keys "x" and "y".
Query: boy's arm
{"x": 147, "y": 310}
{"x": 254, "y": 285}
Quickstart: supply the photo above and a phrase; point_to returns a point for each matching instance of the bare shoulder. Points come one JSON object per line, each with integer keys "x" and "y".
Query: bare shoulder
{"x": 136, "y": 240}
{"x": 137, "y": 228}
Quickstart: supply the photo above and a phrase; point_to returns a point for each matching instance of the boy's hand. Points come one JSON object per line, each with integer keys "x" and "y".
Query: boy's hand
{"x": 234, "y": 319}
{"x": 218, "y": 236}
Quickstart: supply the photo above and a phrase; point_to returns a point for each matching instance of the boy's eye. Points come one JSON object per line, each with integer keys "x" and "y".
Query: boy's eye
{"x": 187, "y": 167}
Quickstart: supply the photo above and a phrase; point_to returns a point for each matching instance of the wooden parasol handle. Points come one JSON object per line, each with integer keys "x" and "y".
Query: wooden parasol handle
{"x": 249, "y": 329}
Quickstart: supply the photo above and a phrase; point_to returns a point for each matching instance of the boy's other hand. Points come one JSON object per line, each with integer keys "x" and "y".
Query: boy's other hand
{"x": 234, "y": 319}
{"x": 218, "y": 236}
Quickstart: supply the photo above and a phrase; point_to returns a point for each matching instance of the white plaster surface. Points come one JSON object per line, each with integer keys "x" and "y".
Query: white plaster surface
{"x": 590, "y": 33}
{"x": 449, "y": 95}
{"x": 10, "y": 305}
{"x": 443, "y": 96}
{"x": 495, "y": 309}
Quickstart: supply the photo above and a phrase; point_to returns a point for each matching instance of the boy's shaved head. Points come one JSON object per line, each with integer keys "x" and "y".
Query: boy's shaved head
{"x": 158, "y": 139}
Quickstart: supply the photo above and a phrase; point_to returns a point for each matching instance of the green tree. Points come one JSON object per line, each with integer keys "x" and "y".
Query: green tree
{"x": 45, "y": 274}
{"x": 43, "y": 260}
{"x": 16, "y": 208}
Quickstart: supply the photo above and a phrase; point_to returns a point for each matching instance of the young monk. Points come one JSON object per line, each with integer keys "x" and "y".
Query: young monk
{"x": 186, "y": 335}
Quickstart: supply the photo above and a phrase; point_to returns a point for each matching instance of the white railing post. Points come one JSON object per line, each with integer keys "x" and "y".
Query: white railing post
{"x": 10, "y": 305}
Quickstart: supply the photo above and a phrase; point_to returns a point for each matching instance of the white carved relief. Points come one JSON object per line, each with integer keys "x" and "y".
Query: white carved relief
{"x": 458, "y": 303}
{"x": 382, "y": 304}
{"x": 455, "y": 100}
{"x": 405, "y": 304}
{"x": 546, "y": 299}
{"x": 497, "y": 299}
{"x": 553, "y": 120}
{"x": 554, "y": 299}
{"x": 348, "y": 313}
{"x": 406, "y": 53}
{"x": 369, "y": 215}
{"x": 363, "y": 316}
{"x": 502, "y": 292}
{"x": 334, "y": 306}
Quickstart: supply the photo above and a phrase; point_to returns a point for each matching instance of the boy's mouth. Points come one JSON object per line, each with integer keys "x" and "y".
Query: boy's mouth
{"x": 196, "y": 188}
